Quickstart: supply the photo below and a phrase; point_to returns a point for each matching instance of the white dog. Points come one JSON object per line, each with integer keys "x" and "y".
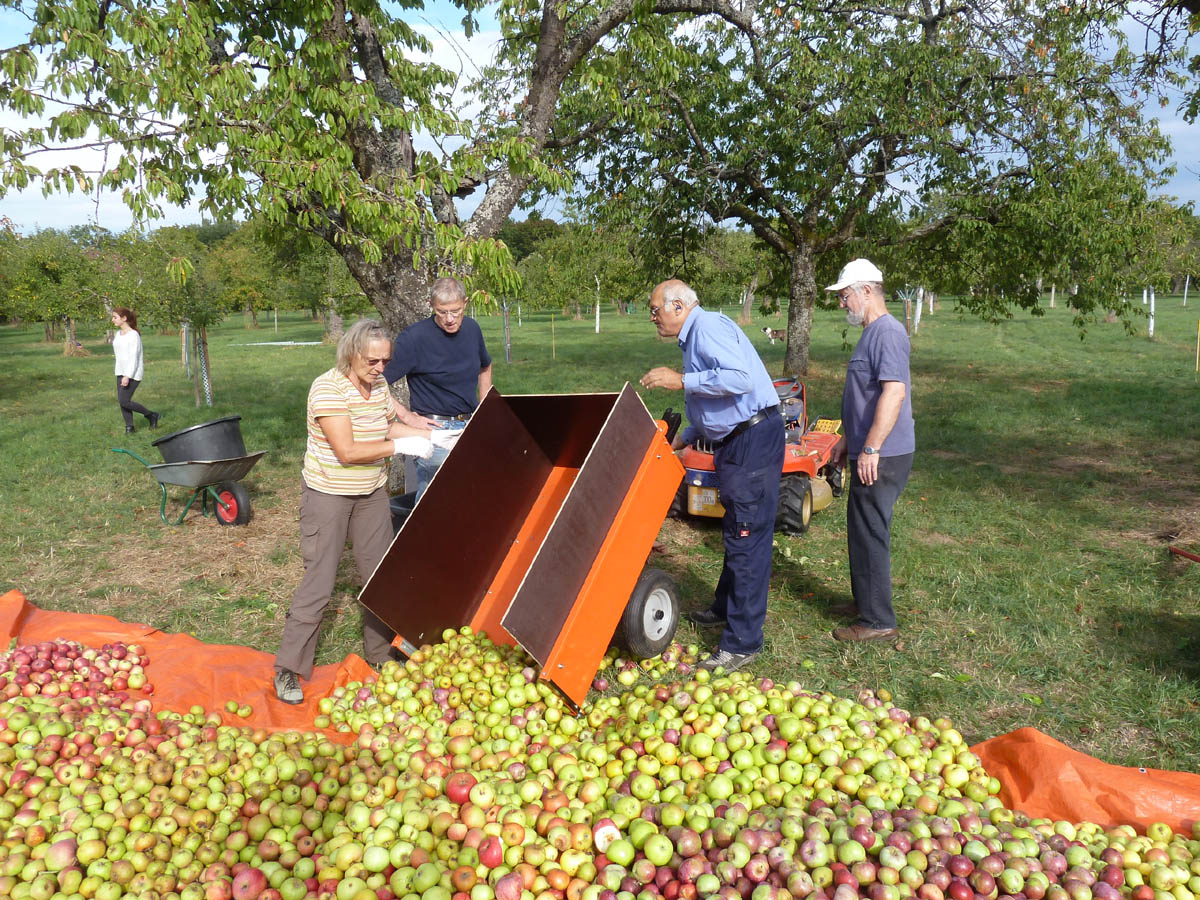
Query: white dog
{"x": 774, "y": 334}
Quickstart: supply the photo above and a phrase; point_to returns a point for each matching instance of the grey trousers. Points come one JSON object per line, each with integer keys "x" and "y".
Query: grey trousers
{"x": 869, "y": 539}
{"x": 326, "y": 520}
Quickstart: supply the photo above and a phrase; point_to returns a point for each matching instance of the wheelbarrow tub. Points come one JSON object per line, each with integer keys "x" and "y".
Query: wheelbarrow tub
{"x": 220, "y": 439}
{"x": 200, "y": 472}
{"x": 534, "y": 530}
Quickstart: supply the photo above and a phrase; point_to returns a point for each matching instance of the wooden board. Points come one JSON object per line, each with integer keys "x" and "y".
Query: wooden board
{"x": 443, "y": 560}
{"x": 541, "y": 606}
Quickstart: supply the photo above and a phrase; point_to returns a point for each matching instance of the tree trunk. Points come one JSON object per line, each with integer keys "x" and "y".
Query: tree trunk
{"x": 748, "y": 300}
{"x": 398, "y": 291}
{"x": 72, "y": 347}
{"x": 802, "y": 295}
{"x": 333, "y": 325}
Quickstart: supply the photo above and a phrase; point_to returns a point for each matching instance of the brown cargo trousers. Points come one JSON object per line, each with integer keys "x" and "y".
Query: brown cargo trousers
{"x": 326, "y": 520}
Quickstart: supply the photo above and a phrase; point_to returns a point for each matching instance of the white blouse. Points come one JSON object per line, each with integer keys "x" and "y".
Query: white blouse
{"x": 128, "y": 349}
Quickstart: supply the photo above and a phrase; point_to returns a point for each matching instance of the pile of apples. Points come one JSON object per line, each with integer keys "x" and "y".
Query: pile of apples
{"x": 67, "y": 667}
{"x": 467, "y": 778}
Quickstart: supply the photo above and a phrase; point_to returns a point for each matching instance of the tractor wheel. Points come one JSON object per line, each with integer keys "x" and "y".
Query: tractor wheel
{"x": 836, "y": 476}
{"x": 236, "y": 500}
{"x": 651, "y": 615}
{"x": 795, "y": 505}
{"x": 679, "y": 505}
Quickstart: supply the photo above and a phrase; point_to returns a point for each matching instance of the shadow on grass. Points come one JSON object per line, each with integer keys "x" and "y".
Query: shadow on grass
{"x": 1165, "y": 643}
{"x": 1091, "y": 450}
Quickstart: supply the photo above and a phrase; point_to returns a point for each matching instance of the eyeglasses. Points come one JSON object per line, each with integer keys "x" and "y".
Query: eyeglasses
{"x": 372, "y": 361}
{"x": 449, "y": 313}
{"x": 656, "y": 311}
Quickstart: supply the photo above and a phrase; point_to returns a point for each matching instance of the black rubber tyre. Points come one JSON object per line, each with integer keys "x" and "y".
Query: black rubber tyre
{"x": 837, "y": 480}
{"x": 236, "y": 498}
{"x": 651, "y": 615}
{"x": 679, "y": 504}
{"x": 795, "y": 505}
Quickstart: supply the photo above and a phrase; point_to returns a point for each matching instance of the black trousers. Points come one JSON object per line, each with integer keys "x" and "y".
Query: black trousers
{"x": 128, "y": 406}
{"x": 869, "y": 539}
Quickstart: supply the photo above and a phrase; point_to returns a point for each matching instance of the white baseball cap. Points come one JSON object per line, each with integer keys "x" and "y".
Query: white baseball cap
{"x": 857, "y": 271}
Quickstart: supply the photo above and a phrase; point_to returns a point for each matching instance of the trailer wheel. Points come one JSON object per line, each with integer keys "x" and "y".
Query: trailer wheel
{"x": 795, "y": 505}
{"x": 236, "y": 498}
{"x": 651, "y": 615}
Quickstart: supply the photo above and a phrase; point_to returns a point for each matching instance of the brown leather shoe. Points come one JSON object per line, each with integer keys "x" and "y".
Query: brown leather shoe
{"x": 863, "y": 633}
{"x": 844, "y": 610}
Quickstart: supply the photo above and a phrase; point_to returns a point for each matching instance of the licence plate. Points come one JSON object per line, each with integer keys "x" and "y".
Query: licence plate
{"x": 702, "y": 501}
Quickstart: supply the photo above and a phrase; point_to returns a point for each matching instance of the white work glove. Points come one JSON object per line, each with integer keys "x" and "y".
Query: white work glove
{"x": 420, "y": 447}
{"x": 445, "y": 439}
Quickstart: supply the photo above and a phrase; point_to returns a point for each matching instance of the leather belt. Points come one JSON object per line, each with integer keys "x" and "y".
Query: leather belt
{"x": 461, "y": 417}
{"x": 759, "y": 416}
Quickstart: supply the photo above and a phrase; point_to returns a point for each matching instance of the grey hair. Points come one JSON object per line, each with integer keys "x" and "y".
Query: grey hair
{"x": 678, "y": 292}
{"x": 447, "y": 290}
{"x": 356, "y": 339}
{"x": 859, "y": 285}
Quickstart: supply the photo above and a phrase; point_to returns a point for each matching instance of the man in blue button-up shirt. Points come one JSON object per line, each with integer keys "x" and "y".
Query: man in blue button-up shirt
{"x": 730, "y": 400}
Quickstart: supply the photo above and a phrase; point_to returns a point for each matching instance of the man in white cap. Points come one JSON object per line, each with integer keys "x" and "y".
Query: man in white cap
{"x": 879, "y": 440}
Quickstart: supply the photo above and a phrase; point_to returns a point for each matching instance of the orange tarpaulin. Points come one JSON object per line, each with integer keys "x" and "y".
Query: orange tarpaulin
{"x": 184, "y": 671}
{"x": 1041, "y": 776}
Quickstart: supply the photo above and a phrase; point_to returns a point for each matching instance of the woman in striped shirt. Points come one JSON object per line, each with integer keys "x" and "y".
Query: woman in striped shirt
{"x": 354, "y": 428}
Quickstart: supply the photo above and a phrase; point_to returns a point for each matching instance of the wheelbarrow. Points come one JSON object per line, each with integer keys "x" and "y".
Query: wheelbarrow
{"x": 211, "y": 459}
{"x": 536, "y": 530}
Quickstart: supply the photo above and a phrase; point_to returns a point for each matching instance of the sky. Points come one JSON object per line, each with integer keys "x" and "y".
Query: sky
{"x": 29, "y": 210}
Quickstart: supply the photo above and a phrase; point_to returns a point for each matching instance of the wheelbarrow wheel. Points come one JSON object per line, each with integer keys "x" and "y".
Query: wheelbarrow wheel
{"x": 795, "y": 505}
{"x": 234, "y": 508}
{"x": 651, "y": 615}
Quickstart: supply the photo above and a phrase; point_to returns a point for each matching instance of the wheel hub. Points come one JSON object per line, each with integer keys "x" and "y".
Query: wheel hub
{"x": 656, "y": 615}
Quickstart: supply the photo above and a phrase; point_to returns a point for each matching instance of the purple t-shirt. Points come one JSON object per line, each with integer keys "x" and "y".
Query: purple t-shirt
{"x": 881, "y": 355}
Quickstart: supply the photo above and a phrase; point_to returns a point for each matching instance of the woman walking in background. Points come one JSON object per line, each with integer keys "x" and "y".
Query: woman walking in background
{"x": 127, "y": 347}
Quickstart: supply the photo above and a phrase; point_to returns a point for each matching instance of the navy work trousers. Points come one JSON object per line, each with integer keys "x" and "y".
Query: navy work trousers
{"x": 869, "y": 539}
{"x": 748, "y": 466}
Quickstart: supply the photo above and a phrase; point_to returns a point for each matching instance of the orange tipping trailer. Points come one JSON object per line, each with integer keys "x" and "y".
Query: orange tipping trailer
{"x": 536, "y": 530}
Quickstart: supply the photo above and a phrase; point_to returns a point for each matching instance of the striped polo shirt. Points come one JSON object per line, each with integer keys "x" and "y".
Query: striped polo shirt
{"x": 333, "y": 394}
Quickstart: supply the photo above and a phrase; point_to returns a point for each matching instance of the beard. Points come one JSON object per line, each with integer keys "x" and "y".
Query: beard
{"x": 854, "y": 318}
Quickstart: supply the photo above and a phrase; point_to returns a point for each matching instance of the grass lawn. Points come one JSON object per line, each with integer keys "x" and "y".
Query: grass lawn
{"x": 1033, "y": 581}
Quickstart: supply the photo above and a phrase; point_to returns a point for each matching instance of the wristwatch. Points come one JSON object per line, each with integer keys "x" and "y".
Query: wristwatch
{"x": 870, "y": 451}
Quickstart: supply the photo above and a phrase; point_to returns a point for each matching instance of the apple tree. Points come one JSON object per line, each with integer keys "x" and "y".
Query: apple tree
{"x": 1011, "y": 127}
{"x": 323, "y": 115}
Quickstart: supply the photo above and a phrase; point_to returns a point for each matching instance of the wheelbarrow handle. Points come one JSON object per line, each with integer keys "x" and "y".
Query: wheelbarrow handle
{"x": 131, "y": 453}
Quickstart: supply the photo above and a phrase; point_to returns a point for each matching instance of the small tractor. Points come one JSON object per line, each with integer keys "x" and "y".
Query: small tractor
{"x": 809, "y": 481}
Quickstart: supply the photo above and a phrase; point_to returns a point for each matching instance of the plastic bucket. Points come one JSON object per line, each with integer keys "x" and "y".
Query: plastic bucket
{"x": 219, "y": 439}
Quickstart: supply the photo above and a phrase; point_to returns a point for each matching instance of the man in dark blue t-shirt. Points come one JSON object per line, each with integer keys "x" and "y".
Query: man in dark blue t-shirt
{"x": 447, "y": 366}
{"x": 879, "y": 440}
